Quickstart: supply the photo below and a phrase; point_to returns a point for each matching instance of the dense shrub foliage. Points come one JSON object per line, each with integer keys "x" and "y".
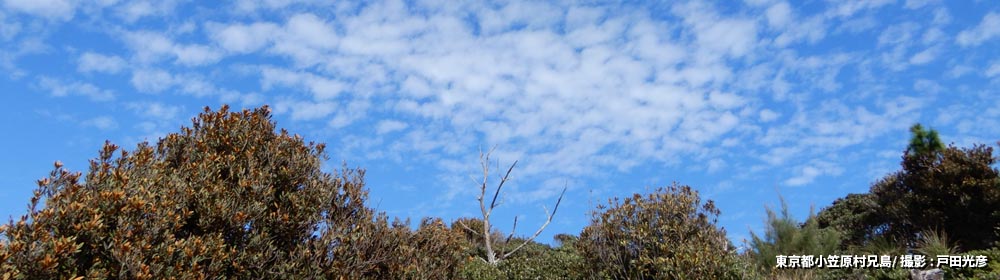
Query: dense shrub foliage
{"x": 955, "y": 190}
{"x": 227, "y": 197}
{"x": 668, "y": 233}
{"x": 855, "y": 216}
{"x": 533, "y": 261}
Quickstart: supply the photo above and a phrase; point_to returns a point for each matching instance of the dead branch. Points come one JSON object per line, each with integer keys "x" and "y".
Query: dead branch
{"x": 491, "y": 256}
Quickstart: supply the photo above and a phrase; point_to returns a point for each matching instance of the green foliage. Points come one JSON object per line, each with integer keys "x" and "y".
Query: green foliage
{"x": 855, "y": 217}
{"x": 539, "y": 261}
{"x": 923, "y": 141}
{"x": 991, "y": 271}
{"x": 944, "y": 200}
{"x": 956, "y": 191}
{"x": 478, "y": 269}
{"x": 533, "y": 261}
{"x": 932, "y": 243}
{"x": 784, "y": 236}
{"x": 433, "y": 251}
{"x": 879, "y": 246}
{"x": 666, "y": 234}
{"x": 551, "y": 263}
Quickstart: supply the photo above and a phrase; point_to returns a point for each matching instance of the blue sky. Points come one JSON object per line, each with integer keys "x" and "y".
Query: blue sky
{"x": 740, "y": 100}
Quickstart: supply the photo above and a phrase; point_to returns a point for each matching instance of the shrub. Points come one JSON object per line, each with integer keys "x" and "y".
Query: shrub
{"x": 991, "y": 271}
{"x": 228, "y": 197}
{"x": 433, "y": 251}
{"x": 954, "y": 190}
{"x": 785, "y": 236}
{"x": 533, "y": 261}
{"x": 666, "y": 234}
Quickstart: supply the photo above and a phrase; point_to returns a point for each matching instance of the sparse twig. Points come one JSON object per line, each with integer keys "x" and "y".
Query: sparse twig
{"x": 487, "y": 210}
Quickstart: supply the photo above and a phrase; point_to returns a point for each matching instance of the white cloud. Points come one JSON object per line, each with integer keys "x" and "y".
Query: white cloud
{"x": 388, "y": 126}
{"x": 243, "y": 38}
{"x": 941, "y": 16}
{"x": 933, "y": 36}
{"x": 101, "y": 123}
{"x": 62, "y": 88}
{"x": 138, "y": 9}
{"x": 156, "y": 81}
{"x": 737, "y": 37}
{"x": 857, "y": 25}
{"x": 917, "y": 4}
{"x": 715, "y": 165}
{"x": 609, "y": 83}
{"x": 849, "y": 8}
{"x": 809, "y": 173}
{"x": 730, "y": 36}
{"x": 724, "y": 101}
{"x": 806, "y": 175}
{"x": 928, "y": 86}
{"x": 779, "y": 14}
{"x": 993, "y": 70}
{"x": 305, "y": 38}
{"x": 152, "y": 80}
{"x": 150, "y": 47}
{"x": 958, "y": 71}
{"x": 987, "y": 29}
{"x": 810, "y": 29}
{"x": 924, "y": 56}
{"x": 8, "y": 29}
{"x": 781, "y": 18}
{"x": 196, "y": 55}
{"x": 53, "y": 9}
{"x": 95, "y": 62}
{"x": 322, "y": 88}
{"x": 305, "y": 110}
{"x": 897, "y": 34}
{"x": 348, "y": 114}
{"x": 767, "y": 115}
{"x": 530, "y": 14}
{"x": 154, "y": 110}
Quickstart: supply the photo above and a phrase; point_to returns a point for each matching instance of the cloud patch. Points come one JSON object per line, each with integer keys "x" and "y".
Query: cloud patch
{"x": 59, "y": 88}
{"x": 101, "y": 123}
{"x": 988, "y": 29}
{"x": 52, "y": 9}
{"x": 389, "y": 126}
{"x": 95, "y": 62}
{"x": 150, "y": 46}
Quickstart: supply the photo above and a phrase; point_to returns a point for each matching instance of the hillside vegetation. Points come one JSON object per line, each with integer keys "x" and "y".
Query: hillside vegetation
{"x": 233, "y": 197}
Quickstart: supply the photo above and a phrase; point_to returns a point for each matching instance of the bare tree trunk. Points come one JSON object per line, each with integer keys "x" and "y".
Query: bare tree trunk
{"x": 487, "y": 209}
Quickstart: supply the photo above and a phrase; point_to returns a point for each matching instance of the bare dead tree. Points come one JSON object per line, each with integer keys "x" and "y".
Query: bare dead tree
{"x": 487, "y": 209}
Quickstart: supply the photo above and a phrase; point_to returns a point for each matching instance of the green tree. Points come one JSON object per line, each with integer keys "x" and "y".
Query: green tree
{"x": 957, "y": 192}
{"x": 666, "y": 234}
{"x": 228, "y": 197}
{"x": 785, "y": 236}
{"x": 855, "y": 216}
{"x": 951, "y": 190}
{"x": 924, "y": 141}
